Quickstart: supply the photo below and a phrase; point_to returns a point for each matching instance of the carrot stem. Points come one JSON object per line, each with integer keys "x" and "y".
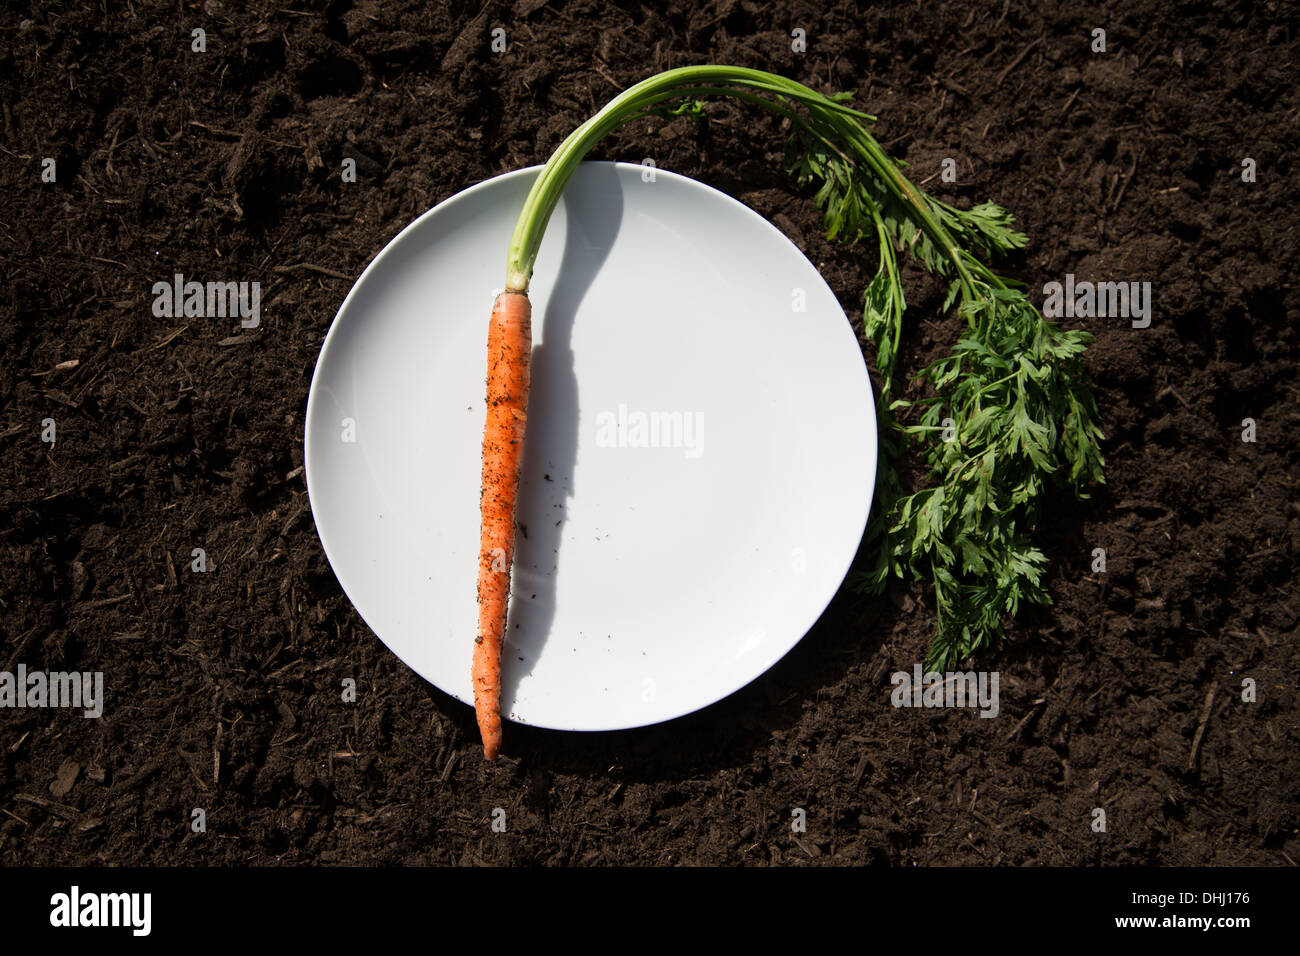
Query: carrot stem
{"x": 827, "y": 115}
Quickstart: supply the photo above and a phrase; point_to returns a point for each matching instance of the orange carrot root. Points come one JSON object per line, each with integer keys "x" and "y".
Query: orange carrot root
{"x": 510, "y": 343}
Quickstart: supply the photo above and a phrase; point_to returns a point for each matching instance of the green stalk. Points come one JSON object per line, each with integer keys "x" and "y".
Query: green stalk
{"x": 829, "y": 120}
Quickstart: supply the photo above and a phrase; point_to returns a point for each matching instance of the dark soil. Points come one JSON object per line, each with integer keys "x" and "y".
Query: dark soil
{"x": 223, "y": 688}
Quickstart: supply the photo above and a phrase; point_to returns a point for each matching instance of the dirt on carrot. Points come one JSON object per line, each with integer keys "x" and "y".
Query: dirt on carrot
{"x": 510, "y": 342}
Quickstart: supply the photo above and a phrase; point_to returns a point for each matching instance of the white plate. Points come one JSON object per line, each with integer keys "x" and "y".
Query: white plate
{"x": 653, "y": 580}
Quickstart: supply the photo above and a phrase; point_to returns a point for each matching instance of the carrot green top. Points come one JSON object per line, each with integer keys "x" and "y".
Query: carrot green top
{"x": 1010, "y": 400}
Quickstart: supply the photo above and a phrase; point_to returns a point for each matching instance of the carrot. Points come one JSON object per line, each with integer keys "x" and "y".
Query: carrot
{"x": 510, "y": 343}
{"x": 862, "y": 188}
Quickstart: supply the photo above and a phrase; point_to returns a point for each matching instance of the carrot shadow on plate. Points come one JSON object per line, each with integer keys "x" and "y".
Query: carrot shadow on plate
{"x": 593, "y": 214}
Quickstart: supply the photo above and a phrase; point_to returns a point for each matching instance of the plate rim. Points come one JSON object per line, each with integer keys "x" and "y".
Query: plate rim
{"x": 871, "y": 427}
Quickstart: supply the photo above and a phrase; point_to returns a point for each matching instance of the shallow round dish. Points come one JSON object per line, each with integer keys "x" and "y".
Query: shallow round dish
{"x": 698, "y": 468}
